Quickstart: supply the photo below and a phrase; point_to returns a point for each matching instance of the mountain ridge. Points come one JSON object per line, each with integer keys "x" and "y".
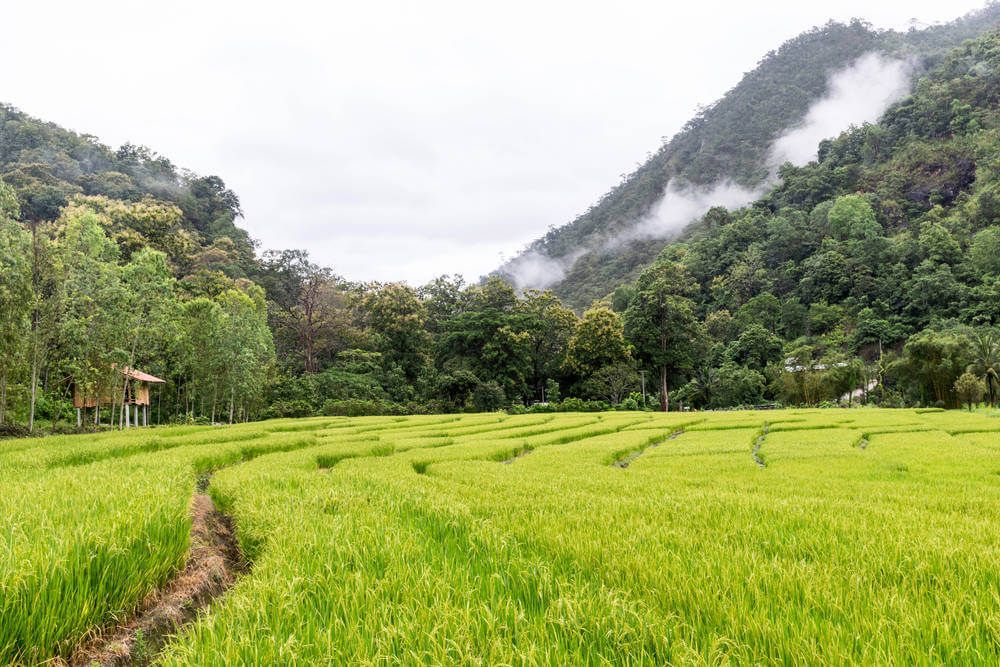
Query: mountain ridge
{"x": 726, "y": 141}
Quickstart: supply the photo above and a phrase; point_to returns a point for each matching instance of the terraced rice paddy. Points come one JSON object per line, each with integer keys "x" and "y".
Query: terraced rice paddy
{"x": 801, "y": 537}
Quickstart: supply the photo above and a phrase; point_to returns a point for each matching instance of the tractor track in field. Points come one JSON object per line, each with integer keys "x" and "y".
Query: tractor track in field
{"x": 758, "y": 443}
{"x": 626, "y": 461}
{"x": 213, "y": 566}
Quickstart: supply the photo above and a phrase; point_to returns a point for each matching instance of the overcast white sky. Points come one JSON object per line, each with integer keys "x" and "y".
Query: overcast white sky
{"x": 401, "y": 140}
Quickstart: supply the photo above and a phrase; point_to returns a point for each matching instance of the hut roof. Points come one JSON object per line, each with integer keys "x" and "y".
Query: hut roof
{"x": 136, "y": 374}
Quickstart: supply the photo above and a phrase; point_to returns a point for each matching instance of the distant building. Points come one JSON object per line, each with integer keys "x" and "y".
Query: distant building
{"x": 134, "y": 394}
{"x": 792, "y": 365}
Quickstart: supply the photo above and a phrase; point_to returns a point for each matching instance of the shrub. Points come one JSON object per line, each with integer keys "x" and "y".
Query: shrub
{"x": 573, "y": 404}
{"x": 629, "y": 404}
{"x": 12, "y": 430}
{"x": 488, "y": 397}
{"x": 970, "y": 388}
{"x": 358, "y": 407}
{"x": 294, "y": 408}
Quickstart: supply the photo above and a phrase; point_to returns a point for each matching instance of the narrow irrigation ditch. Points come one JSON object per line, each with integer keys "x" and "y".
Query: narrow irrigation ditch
{"x": 625, "y": 461}
{"x": 214, "y": 564}
{"x": 524, "y": 450}
{"x": 758, "y": 443}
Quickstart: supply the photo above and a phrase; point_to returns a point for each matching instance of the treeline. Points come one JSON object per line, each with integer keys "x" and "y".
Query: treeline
{"x": 130, "y": 261}
{"x": 76, "y": 307}
{"x": 49, "y": 166}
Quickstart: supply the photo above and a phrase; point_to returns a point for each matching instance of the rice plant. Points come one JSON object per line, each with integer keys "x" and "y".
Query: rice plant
{"x": 866, "y": 536}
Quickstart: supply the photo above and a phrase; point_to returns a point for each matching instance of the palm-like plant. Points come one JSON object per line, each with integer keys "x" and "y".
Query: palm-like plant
{"x": 986, "y": 360}
{"x": 702, "y": 386}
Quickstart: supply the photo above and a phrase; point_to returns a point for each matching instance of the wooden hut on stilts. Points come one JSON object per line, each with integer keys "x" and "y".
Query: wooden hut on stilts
{"x": 135, "y": 394}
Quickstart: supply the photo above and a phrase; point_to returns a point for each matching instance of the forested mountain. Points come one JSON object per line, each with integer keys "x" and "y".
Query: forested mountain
{"x": 728, "y": 141}
{"x": 884, "y": 250}
{"x": 871, "y": 273}
{"x": 190, "y": 217}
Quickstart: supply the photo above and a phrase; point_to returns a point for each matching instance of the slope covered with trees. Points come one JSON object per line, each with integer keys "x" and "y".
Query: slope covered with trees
{"x": 878, "y": 262}
{"x": 191, "y": 218}
{"x": 728, "y": 140}
{"x": 118, "y": 258}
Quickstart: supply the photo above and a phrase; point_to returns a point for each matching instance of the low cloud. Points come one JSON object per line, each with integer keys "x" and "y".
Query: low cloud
{"x": 535, "y": 269}
{"x": 859, "y": 93}
{"x": 681, "y": 205}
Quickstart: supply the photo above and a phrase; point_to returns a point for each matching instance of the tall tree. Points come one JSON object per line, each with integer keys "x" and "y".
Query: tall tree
{"x": 598, "y": 341}
{"x": 488, "y": 337}
{"x": 307, "y": 310}
{"x": 397, "y": 317}
{"x": 661, "y": 324}
{"x": 986, "y": 359}
{"x": 246, "y": 349}
{"x": 549, "y": 325}
{"x": 932, "y": 361}
{"x": 153, "y": 312}
{"x": 201, "y": 359}
{"x": 96, "y": 312}
{"x": 15, "y": 293}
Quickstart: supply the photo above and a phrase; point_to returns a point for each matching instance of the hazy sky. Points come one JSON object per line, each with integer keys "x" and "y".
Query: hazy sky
{"x": 401, "y": 140}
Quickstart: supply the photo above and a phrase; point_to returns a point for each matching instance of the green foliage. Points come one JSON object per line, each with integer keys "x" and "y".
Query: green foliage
{"x": 397, "y": 317}
{"x": 597, "y": 342}
{"x": 970, "y": 389}
{"x": 612, "y": 383}
{"x": 15, "y": 296}
{"x": 851, "y": 218}
{"x": 931, "y": 363}
{"x": 145, "y": 198}
{"x": 859, "y": 275}
{"x": 488, "y": 397}
{"x": 731, "y": 139}
{"x": 985, "y": 355}
{"x": 737, "y": 386}
{"x": 985, "y": 251}
{"x": 755, "y": 348}
{"x": 356, "y": 407}
{"x": 662, "y": 325}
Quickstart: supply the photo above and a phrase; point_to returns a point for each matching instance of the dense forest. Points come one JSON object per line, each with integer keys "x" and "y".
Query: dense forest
{"x": 728, "y": 140}
{"x": 872, "y": 274}
{"x": 877, "y": 263}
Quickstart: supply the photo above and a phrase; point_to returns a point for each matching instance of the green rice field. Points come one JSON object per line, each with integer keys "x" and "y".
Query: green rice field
{"x": 795, "y": 537}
